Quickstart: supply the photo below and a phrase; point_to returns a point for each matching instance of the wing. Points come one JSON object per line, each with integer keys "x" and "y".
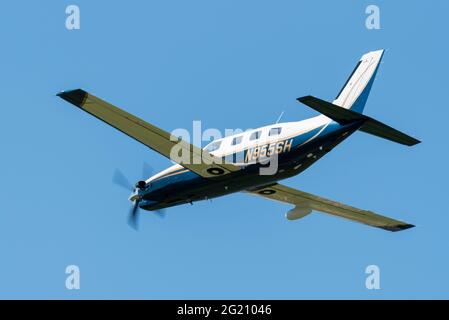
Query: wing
{"x": 306, "y": 200}
{"x": 198, "y": 160}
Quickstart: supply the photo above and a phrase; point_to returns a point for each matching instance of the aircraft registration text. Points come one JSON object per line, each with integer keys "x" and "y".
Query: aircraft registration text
{"x": 268, "y": 150}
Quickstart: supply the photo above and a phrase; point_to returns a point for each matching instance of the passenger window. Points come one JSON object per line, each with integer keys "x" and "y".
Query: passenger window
{"x": 213, "y": 146}
{"x": 275, "y": 131}
{"x": 255, "y": 135}
{"x": 237, "y": 140}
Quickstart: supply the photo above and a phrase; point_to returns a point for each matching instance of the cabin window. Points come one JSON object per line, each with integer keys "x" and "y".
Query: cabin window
{"x": 213, "y": 146}
{"x": 275, "y": 131}
{"x": 237, "y": 140}
{"x": 255, "y": 135}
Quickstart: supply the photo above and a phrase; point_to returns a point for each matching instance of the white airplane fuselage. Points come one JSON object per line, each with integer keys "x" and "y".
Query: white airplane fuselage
{"x": 293, "y": 146}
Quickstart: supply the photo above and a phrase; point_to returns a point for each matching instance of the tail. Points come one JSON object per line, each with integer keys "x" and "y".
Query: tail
{"x": 350, "y": 102}
{"x": 356, "y": 90}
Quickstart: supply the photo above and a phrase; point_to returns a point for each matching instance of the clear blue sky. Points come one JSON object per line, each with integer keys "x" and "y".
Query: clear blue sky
{"x": 230, "y": 64}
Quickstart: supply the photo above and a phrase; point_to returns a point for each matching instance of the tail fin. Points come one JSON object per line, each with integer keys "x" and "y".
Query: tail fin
{"x": 350, "y": 102}
{"x": 356, "y": 90}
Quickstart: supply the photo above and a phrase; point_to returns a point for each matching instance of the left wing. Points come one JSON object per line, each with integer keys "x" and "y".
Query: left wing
{"x": 309, "y": 201}
{"x": 199, "y": 161}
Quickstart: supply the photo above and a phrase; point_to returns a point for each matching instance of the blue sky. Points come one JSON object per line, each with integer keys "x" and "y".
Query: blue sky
{"x": 230, "y": 64}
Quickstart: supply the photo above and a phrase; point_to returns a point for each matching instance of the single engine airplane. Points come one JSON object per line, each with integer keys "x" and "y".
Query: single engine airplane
{"x": 235, "y": 162}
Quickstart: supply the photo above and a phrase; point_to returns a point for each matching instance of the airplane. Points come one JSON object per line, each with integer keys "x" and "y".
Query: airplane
{"x": 235, "y": 163}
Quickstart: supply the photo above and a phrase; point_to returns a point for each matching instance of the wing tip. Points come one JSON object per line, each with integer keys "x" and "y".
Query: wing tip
{"x": 398, "y": 227}
{"x": 304, "y": 99}
{"x": 76, "y": 97}
{"x": 414, "y": 142}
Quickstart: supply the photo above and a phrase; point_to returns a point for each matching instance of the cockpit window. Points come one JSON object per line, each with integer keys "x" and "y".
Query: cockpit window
{"x": 213, "y": 146}
{"x": 237, "y": 140}
{"x": 255, "y": 135}
{"x": 275, "y": 131}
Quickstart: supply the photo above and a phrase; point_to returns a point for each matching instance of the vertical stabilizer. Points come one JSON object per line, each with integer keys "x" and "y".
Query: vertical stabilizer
{"x": 356, "y": 90}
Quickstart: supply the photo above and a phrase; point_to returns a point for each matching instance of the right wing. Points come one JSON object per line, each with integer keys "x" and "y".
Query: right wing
{"x": 199, "y": 161}
{"x": 302, "y": 199}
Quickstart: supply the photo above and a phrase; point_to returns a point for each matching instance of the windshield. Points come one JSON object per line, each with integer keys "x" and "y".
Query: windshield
{"x": 213, "y": 146}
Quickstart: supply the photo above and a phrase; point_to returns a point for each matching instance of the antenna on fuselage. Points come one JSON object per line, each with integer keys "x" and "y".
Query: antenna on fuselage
{"x": 280, "y": 117}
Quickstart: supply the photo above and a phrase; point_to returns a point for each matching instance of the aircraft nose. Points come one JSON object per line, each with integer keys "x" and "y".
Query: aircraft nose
{"x": 134, "y": 196}
{"x": 142, "y": 189}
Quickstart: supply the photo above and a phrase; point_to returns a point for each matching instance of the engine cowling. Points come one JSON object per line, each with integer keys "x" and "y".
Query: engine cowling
{"x": 298, "y": 213}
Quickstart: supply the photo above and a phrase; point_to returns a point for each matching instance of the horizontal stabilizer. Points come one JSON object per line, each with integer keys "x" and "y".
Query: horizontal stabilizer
{"x": 336, "y": 113}
{"x": 369, "y": 125}
{"x": 381, "y": 130}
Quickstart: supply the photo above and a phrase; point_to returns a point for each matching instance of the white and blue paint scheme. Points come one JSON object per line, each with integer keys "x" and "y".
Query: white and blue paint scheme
{"x": 238, "y": 160}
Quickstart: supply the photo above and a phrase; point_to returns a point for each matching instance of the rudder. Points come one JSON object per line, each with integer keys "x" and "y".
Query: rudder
{"x": 355, "y": 91}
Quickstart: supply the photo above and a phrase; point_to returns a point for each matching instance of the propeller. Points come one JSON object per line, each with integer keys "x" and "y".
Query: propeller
{"x": 121, "y": 180}
{"x": 147, "y": 171}
{"x": 133, "y": 216}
